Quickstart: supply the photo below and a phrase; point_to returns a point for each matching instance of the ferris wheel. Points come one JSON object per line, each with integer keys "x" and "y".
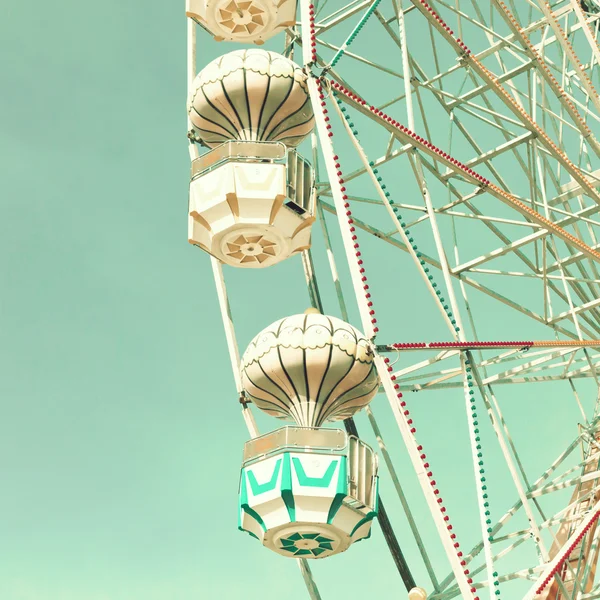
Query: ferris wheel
{"x": 452, "y": 145}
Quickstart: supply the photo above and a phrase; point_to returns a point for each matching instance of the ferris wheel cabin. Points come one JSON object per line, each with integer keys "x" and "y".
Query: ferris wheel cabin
{"x": 251, "y": 194}
{"x": 308, "y": 492}
{"x": 247, "y": 21}
{"x": 251, "y": 203}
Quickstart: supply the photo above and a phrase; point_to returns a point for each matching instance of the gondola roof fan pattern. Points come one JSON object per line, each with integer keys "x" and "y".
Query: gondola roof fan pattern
{"x": 251, "y": 95}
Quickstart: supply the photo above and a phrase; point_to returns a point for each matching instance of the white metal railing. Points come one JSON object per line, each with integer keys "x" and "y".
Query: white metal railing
{"x": 238, "y": 150}
{"x": 298, "y": 439}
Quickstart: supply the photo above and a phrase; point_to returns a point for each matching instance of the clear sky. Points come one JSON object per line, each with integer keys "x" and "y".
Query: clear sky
{"x": 120, "y": 437}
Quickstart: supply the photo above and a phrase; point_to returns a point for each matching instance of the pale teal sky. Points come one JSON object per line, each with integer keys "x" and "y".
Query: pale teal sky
{"x": 121, "y": 438}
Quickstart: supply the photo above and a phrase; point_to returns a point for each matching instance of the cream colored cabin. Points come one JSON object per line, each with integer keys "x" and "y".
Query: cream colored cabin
{"x": 251, "y": 203}
{"x": 246, "y": 21}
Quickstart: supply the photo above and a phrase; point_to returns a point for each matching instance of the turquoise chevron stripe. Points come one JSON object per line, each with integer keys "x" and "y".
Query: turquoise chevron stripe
{"x": 261, "y": 488}
{"x": 305, "y": 480}
{"x": 286, "y": 488}
{"x": 370, "y": 516}
{"x": 341, "y": 491}
{"x": 245, "y": 507}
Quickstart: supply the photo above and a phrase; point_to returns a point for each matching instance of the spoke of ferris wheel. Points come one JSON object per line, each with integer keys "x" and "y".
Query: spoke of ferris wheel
{"x": 539, "y": 364}
{"x": 581, "y": 374}
{"x": 553, "y": 487}
{"x": 496, "y": 419}
{"x": 522, "y": 374}
{"x": 584, "y": 436}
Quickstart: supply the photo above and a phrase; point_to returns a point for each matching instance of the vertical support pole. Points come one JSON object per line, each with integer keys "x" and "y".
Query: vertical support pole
{"x": 478, "y": 475}
{"x": 398, "y": 5}
{"x": 311, "y": 280}
{"x": 232, "y": 346}
{"x": 191, "y": 74}
{"x": 417, "y": 165}
{"x": 326, "y": 238}
{"x": 311, "y": 586}
{"x": 305, "y": 24}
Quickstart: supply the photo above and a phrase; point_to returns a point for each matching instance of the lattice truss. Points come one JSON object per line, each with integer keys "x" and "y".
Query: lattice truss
{"x": 469, "y": 136}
